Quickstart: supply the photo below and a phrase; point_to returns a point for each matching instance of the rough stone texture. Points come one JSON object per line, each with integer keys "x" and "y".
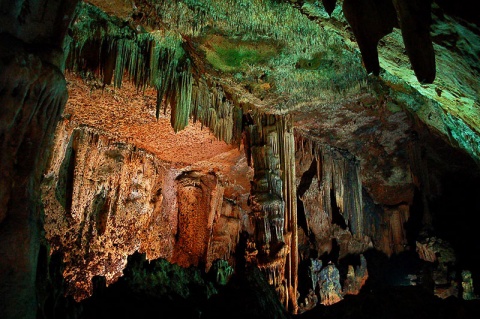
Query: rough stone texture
{"x": 105, "y": 198}
{"x": 330, "y": 288}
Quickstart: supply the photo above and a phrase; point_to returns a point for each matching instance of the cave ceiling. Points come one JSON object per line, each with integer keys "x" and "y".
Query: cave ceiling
{"x": 304, "y": 58}
{"x": 299, "y": 58}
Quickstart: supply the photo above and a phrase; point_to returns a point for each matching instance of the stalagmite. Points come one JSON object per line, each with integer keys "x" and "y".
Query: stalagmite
{"x": 467, "y": 285}
{"x": 356, "y": 278}
{"x": 330, "y": 289}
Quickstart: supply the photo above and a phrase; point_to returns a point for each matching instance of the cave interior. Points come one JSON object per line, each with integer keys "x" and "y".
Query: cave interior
{"x": 239, "y": 158}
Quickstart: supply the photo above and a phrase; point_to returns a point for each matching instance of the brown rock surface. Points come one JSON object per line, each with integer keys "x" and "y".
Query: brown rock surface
{"x": 105, "y": 197}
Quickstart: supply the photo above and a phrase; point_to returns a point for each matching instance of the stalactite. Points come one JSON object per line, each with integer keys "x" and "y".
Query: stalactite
{"x": 339, "y": 179}
{"x": 108, "y": 48}
{"x": 271, "y": 149}
{"x": 213, "y": 109}
{"x": 330, "y": 199}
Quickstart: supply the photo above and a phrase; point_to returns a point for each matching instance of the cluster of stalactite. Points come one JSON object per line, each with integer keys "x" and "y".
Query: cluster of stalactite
{"x": 270, "y": 147}
{"x": 371, "y": 20}
{"x": 339, "y": 183}
{"x": 339, "y": 212}
{"x": 108, "y": 49}
{"x": 211, "y": 106}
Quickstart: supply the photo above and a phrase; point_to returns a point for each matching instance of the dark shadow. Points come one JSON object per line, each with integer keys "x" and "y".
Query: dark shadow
{"x": 304, "y": 185}
{"x": 414, "y": 224}
{"x": 453, "y": 219}
{"x": 333, "y": 255}
{"x": 337, "y": 217}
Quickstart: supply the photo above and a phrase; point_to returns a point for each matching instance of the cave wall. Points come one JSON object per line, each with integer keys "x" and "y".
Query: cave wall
{"x": 33, "y": 94}
{"x": 337, "y": 213}
{"x": 106, "y": 199}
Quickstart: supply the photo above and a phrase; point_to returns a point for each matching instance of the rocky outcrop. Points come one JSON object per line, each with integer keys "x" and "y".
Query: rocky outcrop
{"x": 441, "y": 255}
{"x": 326, "y": 283}
{"x": 106, "y": 199}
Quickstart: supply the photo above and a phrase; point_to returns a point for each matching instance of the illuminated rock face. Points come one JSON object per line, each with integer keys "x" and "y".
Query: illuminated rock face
{"x": 105, "y": 200}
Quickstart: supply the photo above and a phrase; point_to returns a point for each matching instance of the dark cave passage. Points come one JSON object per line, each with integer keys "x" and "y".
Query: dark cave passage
{"x": 453, "y": 219}
{"x": 304, "y": 185}
{"x": 337, "y": 217}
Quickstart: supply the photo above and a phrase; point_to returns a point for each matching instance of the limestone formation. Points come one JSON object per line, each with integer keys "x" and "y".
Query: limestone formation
{"x": 270, "y": 145}
{"x": 310, "y": 158}
{"x": 314, "y": 272}
{"x": 441, "y": 254}
{"x": 467, "y": 286}
{"x": 330, "y": 288}
{"x": 105, "y": 199}
{"x": 356, "y": 278}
